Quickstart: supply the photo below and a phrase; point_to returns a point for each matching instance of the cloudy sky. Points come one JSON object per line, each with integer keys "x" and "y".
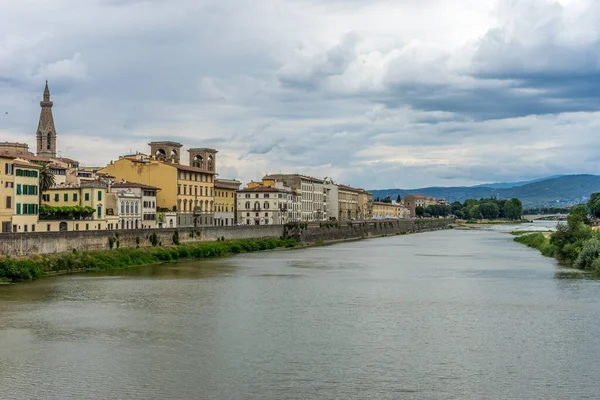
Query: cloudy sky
{"x": 374, "y": 93}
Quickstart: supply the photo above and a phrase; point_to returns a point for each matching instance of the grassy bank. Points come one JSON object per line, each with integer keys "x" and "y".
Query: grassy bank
{"x": 15, "y": 270}
{"x": 538, "y": 241}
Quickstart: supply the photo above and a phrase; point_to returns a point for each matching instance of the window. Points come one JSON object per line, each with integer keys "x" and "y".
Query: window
{"x": 87, "y": 197}
{"x": 66, "y": 196}
{"x": 87, "y": 226}
{"x": 74, "y": 196}
{"x": 8, "y": 202}
{"x": 99, "y": 196}
{"x": 247, "y": 196}
{"x": 48, "y": 227}
{"x": 32, "y": 227}
{"x": 18, "y": 208}
{"x": 56, "y": 197}
{"x": 178, "y": 189}
{"x": 24, "y": 228}
{"x": 76, "y": 227}
{"x": 122, "y": 208}
{"x": 99, "y": 211}
{"x": 8, "y": 169}
{"x": 18, "y": 188}
{"x": 266, "y": 196}
{"x": 137, "y": 207}
{"x": 185, "y": 189}
{"x": 266, "y": 214}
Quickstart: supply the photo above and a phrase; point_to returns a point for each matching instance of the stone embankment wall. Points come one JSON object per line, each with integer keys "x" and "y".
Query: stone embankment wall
{"x": 332, "y": 231}
{"x": 26, "y": 244}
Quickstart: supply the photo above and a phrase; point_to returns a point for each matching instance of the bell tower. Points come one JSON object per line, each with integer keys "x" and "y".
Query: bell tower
{"x": 46, "y": 132}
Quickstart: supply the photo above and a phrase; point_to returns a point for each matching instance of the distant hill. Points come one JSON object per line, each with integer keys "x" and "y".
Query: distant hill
{"x": 558, "y": 191}
{"x": 506, "y": 185}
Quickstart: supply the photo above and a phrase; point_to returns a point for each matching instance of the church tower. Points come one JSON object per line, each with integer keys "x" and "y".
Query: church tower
{"x": 46, "y": 132}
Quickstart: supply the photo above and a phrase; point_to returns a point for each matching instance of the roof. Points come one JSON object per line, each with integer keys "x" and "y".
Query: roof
{"x": 67, "y": 160}
{"x": 32, "y": 157}
{"x": 127, "y": 184}
{"x": 304, "y": 177}
{"x": 166, "y": 143}
{"x": 350, "y": 188}
{"x": 202, "y": 149}
{"x": 227, "y": 184}
{"x": 188, "y": 168}
{"x": 27, "y": 164}
{"x": 383, "y": 203}
{"x": 260, "y": 189}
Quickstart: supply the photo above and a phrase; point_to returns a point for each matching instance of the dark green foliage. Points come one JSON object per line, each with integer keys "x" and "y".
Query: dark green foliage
{"x": 153, "y": 239}
{"x": 31, "y": 268}
{"x": 538, "y": 241}
{"x": 594, "y": 205}
{"x": 111, "y": 242}
{"x": 490, "y": 208}
{"x": 176, "y": 238}
{"x": 64, "y": 212}
{"x": 137, "y": 242}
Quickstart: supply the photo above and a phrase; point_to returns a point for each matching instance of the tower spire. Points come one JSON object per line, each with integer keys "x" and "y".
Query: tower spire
{"x": 46, "y": 132}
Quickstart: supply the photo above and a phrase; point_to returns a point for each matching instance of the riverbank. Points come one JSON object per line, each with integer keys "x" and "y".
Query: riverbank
{"x": 542, "y": 241}
{"x": 32, "y": 267}
{"x": 23, "y": 269}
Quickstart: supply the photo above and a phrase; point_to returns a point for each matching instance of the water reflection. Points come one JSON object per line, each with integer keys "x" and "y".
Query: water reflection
{"x": 448, "y": 314}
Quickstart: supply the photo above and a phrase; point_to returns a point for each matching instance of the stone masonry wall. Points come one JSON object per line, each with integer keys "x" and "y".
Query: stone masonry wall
{"x": 26, "y": 244}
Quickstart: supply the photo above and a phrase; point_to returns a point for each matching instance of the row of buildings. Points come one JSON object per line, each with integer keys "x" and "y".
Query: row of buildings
{"x": 161, "y": 190}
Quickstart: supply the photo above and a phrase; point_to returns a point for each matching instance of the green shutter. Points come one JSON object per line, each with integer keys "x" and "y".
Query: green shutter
{"x": 99, "y": 195}
{"x": 99, "y": 211}
{"x": 66, "y": 196}
{"x": 87, "y": 197}
{"x": 19, "y": 188}
{"x": 18, "y": 208}
{"x": 56, "y": 197}
{"x": 74, "y": 196}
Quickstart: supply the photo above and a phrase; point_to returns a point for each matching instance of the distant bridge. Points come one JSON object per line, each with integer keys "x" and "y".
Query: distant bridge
{"x": 546, "y": 217}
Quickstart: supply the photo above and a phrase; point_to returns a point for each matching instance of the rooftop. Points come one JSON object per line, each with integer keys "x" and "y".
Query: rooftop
{"x": 127, "y": 184}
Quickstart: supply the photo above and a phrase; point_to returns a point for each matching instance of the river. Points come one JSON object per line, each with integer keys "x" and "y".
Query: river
{"x": 437, "y": 315}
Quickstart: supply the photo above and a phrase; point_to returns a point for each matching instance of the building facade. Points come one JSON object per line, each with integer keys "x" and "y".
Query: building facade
{"x": 348, "y": 208}
{"x": 46, "y": 132}
{"x": 135, "y": 205}
{"x": 184, "y": 189}
{"x": 225, "y": 201}
{"x": 312, "y": 193}
{"x": 265, "y": 205}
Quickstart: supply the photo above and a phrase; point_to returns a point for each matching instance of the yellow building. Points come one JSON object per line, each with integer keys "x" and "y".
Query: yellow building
{"x": 26, "y": 195}
{"x": 225, "y": 203}
{"x": 7, "y": 195}
{"x": 188, "y": 190}
{"x": 383, "y": 210}
{"x": 348, "y": 202}
{"x": 89, "y": 194}
{"x": 365, "y": 204}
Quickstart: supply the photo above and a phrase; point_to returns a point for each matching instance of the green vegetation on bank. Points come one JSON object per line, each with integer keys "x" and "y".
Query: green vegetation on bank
{"x": 575, "y": 243}
{"x": 491, "y": 208}
{"x": 14, "y": 270}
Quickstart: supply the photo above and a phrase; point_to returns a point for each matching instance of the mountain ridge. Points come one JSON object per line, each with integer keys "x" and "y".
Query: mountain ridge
{"x": 555, "y": 191}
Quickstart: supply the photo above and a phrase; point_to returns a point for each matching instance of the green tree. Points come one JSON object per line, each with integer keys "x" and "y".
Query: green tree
{"x": 513, "y": 209}
{"x": 46, "y": 179}
{"x": 420, "y": 211}
{"x": 398, "y": 199}
{"x": 594, "y": 204}
{"x": 474, "y": 212}
{"x": 489, "y": 210}
{"x": 387, "y": 199}
{"x": 580, "y": 213}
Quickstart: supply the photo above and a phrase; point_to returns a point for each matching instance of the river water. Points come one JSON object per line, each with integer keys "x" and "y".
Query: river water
{"x": 438, "y": 315}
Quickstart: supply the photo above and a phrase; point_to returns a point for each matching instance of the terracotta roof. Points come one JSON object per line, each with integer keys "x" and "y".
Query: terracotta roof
{"x": 34, "y": 158}
{"x": 133, "y": 185}
{"x": 188, "y": 168}
{"x": 68, "y": 160}
{"x": 305, "y": 177}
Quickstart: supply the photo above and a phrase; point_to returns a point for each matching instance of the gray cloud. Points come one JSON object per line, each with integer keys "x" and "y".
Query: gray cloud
{"x": 352, "y": 89}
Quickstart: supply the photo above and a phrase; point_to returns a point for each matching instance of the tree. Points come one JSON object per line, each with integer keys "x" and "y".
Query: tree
{"x": 513, "y": 209}
{"x": 594, "y": 204}
{"x": 419, "y": 211}
{"x": 398, "y": 199}
{"x": 46, "y": 179}
{"x": 474, "y": 212}
{"x": 580, "y": 213}
{"x": 489, "y": 210}
{"x": 387, "y": 199}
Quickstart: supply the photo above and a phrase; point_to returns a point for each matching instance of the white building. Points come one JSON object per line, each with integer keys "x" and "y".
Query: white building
{"x": 313, "y": 193}
{"x": 266, "y": 205}
{"x": 136, "y": 205}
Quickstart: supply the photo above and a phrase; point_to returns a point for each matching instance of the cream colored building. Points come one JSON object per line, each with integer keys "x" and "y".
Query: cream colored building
{"x": 265, "y": 205}
{"x": 313, "y": 195}
{"x": 348, "y": 208}
{"x": 135, "y": 205}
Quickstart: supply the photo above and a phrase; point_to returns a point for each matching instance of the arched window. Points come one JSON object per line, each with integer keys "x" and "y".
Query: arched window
{"x": 211, "y": 163}
{"x": 247, "y": 205}
{"x": 226, "y": 208}
{"x": 211, "y": 206}
{"x": 256, "y": 205}
{"x": 195, "y": 205}
{"x": 184, "y": 205}
{"x": 198, "y": 161}
{"x": 266, "y": 205}
{"x": 122, "y": 207}
{"x": 127, "y": 208}
{"x": 136, "y": 223}
{"x": 201, "y": 204}
{"x": 137, "y": 208}
{"x": 174, "y": 155}
{"x": 170, "y": 223}
{"x": 49, "y": 141}
{"x": 179, "y": 205}
{"x": 160, "y": 154}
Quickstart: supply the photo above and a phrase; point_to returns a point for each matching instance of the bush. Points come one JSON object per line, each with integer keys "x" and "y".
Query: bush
{"x": 590, "y": 251}
{"x": 176, "y": 238}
